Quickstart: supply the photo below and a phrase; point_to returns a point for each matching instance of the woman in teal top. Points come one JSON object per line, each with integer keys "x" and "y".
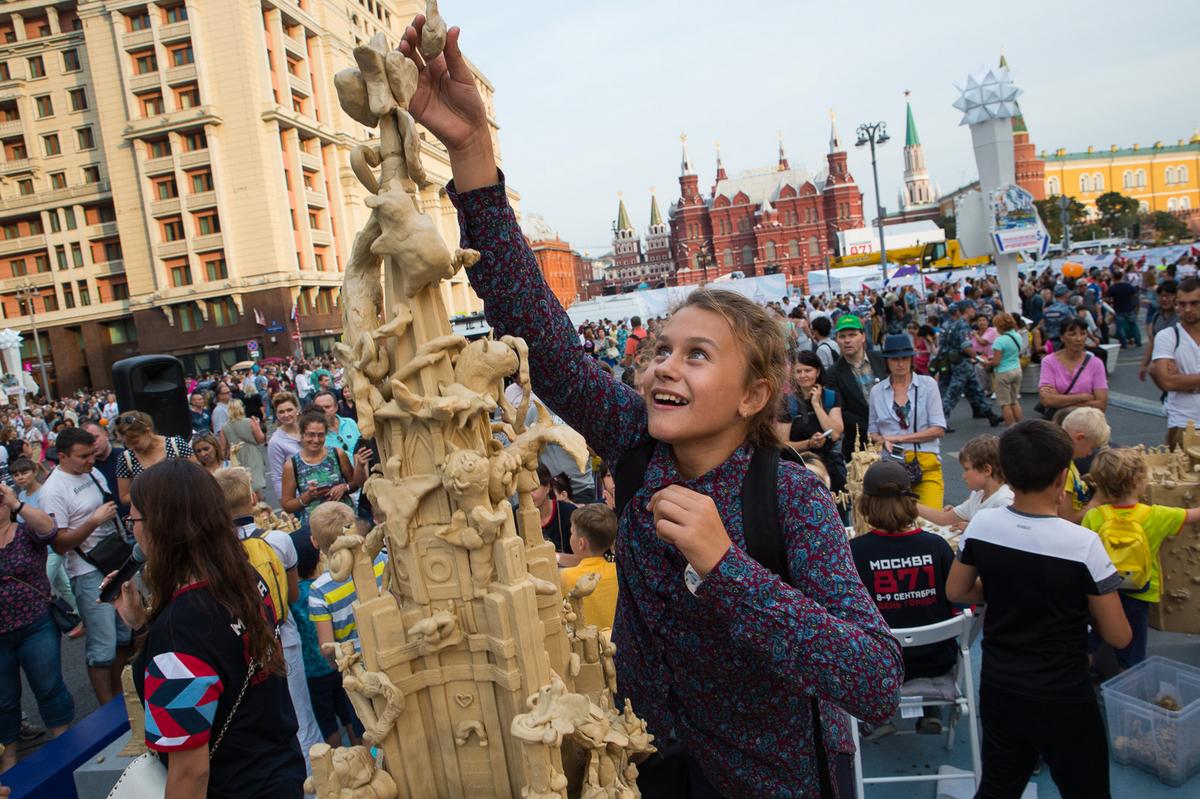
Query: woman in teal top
{"x": 318, "y": 473}
{"x": 1006, "y": 365}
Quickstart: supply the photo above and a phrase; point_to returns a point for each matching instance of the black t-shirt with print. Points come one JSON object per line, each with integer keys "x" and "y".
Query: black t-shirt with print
{"x": 189, "y": 674}
{"x": 905, "y": 574}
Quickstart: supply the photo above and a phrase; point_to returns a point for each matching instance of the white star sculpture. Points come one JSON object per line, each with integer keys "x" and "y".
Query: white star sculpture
{"x": 988, "y": 95}
{"x": 10, "y": 339}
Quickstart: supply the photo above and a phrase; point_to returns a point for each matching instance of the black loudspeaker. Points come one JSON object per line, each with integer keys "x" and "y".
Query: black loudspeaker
{"x": 155, "y": 385}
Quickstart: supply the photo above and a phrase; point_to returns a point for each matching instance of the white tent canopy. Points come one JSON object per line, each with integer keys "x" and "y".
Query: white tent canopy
{"x": 650, "y": 303}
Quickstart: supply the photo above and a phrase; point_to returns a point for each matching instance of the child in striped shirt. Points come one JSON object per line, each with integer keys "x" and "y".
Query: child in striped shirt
{"x": 330, "y": 601}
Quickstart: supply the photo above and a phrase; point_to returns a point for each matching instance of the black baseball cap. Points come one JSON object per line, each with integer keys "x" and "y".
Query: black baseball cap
{"x": 887, "y": 479}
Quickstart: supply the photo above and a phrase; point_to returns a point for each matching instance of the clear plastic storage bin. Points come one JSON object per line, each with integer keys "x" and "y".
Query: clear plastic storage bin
{"x": 1153, "y": 715}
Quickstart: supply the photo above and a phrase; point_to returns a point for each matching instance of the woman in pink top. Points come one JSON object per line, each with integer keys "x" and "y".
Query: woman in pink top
{"x": 1090, "y": 389}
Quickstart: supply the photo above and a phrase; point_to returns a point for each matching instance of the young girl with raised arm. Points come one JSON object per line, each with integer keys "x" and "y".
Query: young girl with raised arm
{"x": 733, "y": 667}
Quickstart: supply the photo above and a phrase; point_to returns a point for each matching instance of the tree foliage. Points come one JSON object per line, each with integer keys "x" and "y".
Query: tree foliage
{"x": 1167, "y": 226}
{"x": 1117, "y": 212}
{"x": 1051, "y": 216}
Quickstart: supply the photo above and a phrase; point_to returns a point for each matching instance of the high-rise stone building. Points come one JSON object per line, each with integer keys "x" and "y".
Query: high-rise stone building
{"x": 176, "y": 176}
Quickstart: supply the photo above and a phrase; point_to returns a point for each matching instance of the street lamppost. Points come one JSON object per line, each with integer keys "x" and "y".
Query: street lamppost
{"x": 876, "y": 134}
{"x": 1064, "y": 204}
{"x": 26, "y": 294}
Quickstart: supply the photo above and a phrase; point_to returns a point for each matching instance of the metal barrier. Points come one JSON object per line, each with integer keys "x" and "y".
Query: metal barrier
{"x": 49, "y": 773}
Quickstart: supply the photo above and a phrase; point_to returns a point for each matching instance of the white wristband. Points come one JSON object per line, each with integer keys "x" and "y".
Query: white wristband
{"x": 692, "y": 579}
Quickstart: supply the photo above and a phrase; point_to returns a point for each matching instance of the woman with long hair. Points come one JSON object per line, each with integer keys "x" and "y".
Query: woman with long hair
{"x": 1006, "y": 365}
{"x": 144, "y": 448}
{"x": 245, "y": 430}
{"x": 207, "y": 449}
{"x": 285, "y": 441}
{"x": 811, "y": 420}
{"x": 1072, "y": 377}
{"x": 210, "y": 669}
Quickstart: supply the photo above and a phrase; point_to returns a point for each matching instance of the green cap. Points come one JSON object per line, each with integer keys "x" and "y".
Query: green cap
{"x": 847, "y": 321}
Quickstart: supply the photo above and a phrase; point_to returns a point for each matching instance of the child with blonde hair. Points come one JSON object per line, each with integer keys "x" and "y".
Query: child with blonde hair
{"x": 1119, "y": 476}
{"x": 593, "y": 531}
{"x": 330, "y": 601}
{"x": 1089, "y": 432}
{"x": 703, "y": 630}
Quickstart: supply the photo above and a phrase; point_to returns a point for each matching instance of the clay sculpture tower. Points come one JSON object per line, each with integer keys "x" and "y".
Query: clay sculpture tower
{"x": 475, "y": 677}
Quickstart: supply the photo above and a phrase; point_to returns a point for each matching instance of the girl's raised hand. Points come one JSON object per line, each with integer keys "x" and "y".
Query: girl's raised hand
{"x": 446, "y": 99}
{"x": 689, "y": 521}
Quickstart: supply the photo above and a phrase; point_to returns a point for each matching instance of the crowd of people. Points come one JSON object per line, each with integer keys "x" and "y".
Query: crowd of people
{"x": 685, "y": 415}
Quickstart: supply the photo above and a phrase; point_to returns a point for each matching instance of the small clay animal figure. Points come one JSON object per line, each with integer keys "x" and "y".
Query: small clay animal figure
{"x": 411, "y": 238}
{"x": 433, "y": 35}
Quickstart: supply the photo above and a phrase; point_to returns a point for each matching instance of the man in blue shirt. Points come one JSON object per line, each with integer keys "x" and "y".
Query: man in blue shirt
{"x": 1055, "y": 315}
{"x": 963, "y": 378}
{"x": 342, "y": 432}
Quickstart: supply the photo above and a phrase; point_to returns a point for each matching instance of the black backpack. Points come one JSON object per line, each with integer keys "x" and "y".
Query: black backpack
{"x": 760, "y": 526}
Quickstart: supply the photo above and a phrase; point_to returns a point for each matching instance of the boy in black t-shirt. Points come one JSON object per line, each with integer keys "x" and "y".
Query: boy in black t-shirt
{"x": 905, "y": 570}
{"x": 1042, "y": 578}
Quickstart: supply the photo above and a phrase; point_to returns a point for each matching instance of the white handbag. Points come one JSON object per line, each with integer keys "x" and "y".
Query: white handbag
{"x": 146, "y": 776}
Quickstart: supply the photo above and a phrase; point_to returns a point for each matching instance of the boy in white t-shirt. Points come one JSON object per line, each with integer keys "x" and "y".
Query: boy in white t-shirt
{"x": 980, "y": 460}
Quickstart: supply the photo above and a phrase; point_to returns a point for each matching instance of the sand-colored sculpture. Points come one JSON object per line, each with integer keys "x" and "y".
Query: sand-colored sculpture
{"x": 136, "y": 745}
{"x": 473, "y": 679}
{"x": 1175, "y": 480}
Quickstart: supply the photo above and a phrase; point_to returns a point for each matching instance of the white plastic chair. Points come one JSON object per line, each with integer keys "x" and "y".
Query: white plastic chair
{"x": 962, "y": 628}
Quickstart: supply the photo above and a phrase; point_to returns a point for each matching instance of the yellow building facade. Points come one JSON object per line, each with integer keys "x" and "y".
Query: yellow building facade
{"x": 1161, "y": 177}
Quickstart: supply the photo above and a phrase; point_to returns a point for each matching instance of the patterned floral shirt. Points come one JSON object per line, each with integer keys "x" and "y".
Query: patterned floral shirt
{"x": 686, "y": 660}
{"x": 24, "y": 589}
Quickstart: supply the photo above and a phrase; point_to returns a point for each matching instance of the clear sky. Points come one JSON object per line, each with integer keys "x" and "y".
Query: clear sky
{"x": 592, "y": 96}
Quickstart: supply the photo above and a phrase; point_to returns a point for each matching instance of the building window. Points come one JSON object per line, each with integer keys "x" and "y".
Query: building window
{"x": 814, "y": 247}
{"x": 44, "y": 106}
{"x": 172, "y": 229}
{"x": 120, "y": 291}
{"x": 181, "y": 56}
{"x": 77, "y": 256}
{"x": 216, "y": 269}
{"x": 55, "y": 222}
{"x": 85, "y": 139}
{"x": 187, "y": 97}
{"x": 770, "y": 252}
{"x": 1169, "y": 174}
{"x": 85, "y": 296}
{"x": 68, "y": 296}
{"x": 175, "y": 14}
{"x": 159, "y": 148}
{"x": 25, "y": 187}
{"x": 50, "y": 145}
{"x": 181, "y": 275}
{"x": 195, "y": 140}
{"x": 1097, "y": 182}
{"x": 4, "y": 72}
{"x": 727, "y": 258}
{"x": 18, "y": 267}
{"x": 747, "y": 255}
{"x": 122, "y": 331}
{"x": 201, "y": 181}
{"x": 69, "y": 213}
{"x": 1127, "y": 179}
{"x": 794, "y": 249}
{"x": 1185, "y": 203}
{"x": 165, "y": 188}
{"x": 208, "y": 224}
{"x": 314, "y": 219}
{"x": 152, "y": 104}
{"x": 319, "y": 259}
{"x": 1052, "y": 186}
{"x": 91, "y": 174}
{"x": 139, "y": 21}
{"x": 1085, "y": 184}
{"x": 61, "y": 256}
{"x": 41, "y": 263}
{"x": 1171, "y": 205}
{"x": 144, "y": 62}
{"x": 78, "y": 99}
{"x": 1143, "y": 207}
{"x": 188, "y": 317}
{"x": 70, "y": 60}
{"x": 49, "y": 303}
{"x": 1141, "y": 178}
{"x": 58, "y": 180}
{"x": 1181, "y": 174}
{"x": 223, "y": 312}
{"x": 37, "y": 67}
{"x": 14, "y": 149}
{"x": 112, "y": 251}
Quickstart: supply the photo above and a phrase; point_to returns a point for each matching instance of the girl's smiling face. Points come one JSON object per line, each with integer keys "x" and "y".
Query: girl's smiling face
{"x": 695, "y": 387}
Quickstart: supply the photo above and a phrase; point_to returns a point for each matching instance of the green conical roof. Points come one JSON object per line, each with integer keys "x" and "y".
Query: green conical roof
{"x": 910, "y": 134}
{"x": 623, "y": 218}
{"x": 655, "y": 216}
{"x": 1018, "y": 123}
{"x": 1003, "y": 61}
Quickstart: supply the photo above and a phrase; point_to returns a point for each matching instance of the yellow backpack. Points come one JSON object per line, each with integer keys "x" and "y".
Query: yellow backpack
{"x": 1125, "y": 540}
{"x": 266, "y": 562}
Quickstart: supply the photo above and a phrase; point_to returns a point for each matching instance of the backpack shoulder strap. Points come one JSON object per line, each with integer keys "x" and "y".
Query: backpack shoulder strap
{"x": 760, "y": 512}
{"x": 258, "y": 532}
{"x": 630, "y": 473}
